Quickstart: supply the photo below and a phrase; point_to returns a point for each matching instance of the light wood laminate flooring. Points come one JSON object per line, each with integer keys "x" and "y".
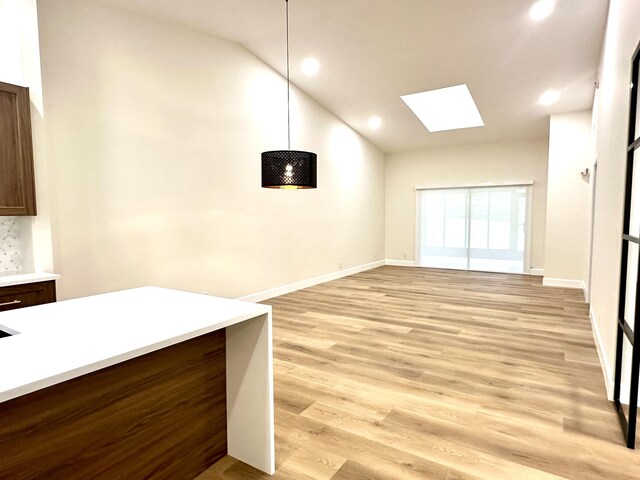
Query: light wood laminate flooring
{"x": 415, "y": 373}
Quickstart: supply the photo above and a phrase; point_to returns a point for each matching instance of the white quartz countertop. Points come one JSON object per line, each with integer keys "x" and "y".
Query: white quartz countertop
{"x": 22, "y": 278}
{"x": 63, "y": 340}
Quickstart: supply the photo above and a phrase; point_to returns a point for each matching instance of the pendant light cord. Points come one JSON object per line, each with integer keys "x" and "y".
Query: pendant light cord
{"x": 288, "y": 84}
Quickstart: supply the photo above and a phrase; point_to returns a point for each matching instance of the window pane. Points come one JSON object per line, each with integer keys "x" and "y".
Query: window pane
{"x": 638, "y": 117}
{"x": 496, "y": 265}
{"x": 433, "y": 213}
{"x": 634, "y": 219}
{"x": 499, "y": 220}
{"x": 632, "y": 281}
{"x": 456, "y": 219}
{"x": 521, "y": 234}
{"x": 627, "y": 350}
{"x": 522, "y": 218}
{"x": 479, "y": 219}
{"x": 437, "y": 261}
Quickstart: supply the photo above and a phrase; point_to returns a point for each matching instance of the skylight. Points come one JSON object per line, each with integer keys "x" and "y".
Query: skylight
{"x": 448, "y": 108}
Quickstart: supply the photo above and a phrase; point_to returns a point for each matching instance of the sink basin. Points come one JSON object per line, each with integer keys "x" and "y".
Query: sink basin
{"x": 7, "y": 332}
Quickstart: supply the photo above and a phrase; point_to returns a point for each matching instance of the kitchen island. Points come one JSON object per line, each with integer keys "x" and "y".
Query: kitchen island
{"x": 142, "y": 383}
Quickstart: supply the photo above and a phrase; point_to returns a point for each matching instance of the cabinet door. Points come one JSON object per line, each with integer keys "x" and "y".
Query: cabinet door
{"x": 27, "y": 295}
{"x": 17, "y": 189}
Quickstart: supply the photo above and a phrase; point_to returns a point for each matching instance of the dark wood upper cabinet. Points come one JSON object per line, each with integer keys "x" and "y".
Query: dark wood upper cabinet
{"x": 17, "y": 186}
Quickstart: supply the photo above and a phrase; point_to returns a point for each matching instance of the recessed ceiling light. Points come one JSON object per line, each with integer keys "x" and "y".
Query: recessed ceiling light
{"x": 541, "y": 9}
{"x": 549, "y": 97}
{"x": 448, "y": 108}
{"x": 375, "y": 123}
{"x": 310, "y": 66}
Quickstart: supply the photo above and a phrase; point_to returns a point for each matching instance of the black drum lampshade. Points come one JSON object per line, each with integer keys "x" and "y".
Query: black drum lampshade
{"x": 289, "y": 169}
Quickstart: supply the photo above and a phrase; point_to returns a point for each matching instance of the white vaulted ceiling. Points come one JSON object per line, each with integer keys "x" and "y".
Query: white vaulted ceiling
{"x": 373, "y": 51}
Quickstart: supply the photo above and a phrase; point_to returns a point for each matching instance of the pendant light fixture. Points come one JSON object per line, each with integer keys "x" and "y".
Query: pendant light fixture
{"x": 289, "y": 169}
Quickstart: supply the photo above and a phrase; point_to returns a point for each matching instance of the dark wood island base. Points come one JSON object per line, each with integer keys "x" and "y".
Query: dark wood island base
{"x": 160, "y": 416}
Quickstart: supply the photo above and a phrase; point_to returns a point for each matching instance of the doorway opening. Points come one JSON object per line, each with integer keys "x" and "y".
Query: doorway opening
{"x": 474, "y": 228}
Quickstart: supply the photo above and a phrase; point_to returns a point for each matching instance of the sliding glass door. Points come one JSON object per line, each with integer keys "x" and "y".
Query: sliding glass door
{"x": 479, "y": 228}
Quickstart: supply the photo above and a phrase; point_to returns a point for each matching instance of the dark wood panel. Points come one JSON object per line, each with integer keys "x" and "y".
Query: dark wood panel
{"x": 161, "y": 416}
{"x": 10, "y": 189}
{"x": 27, "y": 295}
{"x": 17, "y": 188}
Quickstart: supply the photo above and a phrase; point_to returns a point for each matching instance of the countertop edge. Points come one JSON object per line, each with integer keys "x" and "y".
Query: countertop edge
{"x": 25, "y": 278}
{"x": 61, "y": 377}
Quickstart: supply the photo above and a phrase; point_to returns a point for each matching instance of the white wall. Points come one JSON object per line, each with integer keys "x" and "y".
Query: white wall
{"x": 568, "y": 199}
{"x": 621, "y": 39}
{"x": 154, "y": 138}
{"x": 459, "y": 166}
{"x": 10, "y": 45}
{"x": 20, "y": 65}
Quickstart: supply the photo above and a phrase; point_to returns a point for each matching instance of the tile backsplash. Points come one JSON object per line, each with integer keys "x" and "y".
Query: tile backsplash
{"x": 12, "y": 248}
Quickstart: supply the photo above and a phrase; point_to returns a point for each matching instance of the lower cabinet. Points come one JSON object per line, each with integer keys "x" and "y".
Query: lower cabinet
{"x": 27, "y": 295}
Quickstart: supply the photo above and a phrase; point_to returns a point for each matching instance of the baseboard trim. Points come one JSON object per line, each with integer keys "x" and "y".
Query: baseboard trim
{"x": 539, "y": 272}
{"x": 607, "y": 371}
{"x": 400, "y": 263}
{"x": 563, "y": 282}
{"x": 292, "y": 287}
